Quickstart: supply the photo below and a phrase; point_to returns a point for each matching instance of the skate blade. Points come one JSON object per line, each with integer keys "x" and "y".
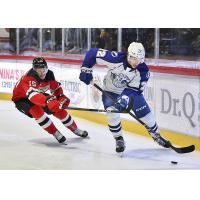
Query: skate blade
{"x": 63, "y": 143}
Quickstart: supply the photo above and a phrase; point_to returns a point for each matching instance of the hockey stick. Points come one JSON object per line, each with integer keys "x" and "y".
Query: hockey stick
{"x": 186, "y": 149}
{"x": 94, "y": 110}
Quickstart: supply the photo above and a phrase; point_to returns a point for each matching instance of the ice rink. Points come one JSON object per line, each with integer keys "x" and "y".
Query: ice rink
{"x": 24, "y": 145}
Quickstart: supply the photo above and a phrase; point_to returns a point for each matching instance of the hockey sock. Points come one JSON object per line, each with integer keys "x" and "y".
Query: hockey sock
{"x": 46, "y": 124}
{"x": 115, "y": 130}
{"x": 114, "y": 124}
{"x": 66, "y": 119}
{"x": 42, "y": 119}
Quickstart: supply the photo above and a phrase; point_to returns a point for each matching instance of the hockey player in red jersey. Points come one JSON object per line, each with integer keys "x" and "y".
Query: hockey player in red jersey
{"x": 30, "y": 98}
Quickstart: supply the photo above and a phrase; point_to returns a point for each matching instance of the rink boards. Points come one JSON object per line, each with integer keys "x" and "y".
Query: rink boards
{"x": 173, "y": 98}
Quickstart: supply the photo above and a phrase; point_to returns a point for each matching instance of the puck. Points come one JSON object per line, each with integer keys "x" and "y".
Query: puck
{"x": 174, "y": 162}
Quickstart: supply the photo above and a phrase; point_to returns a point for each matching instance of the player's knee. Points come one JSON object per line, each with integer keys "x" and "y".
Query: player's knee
{"x": 149, "y": 119}
{"x": 36, "y": 111}
{"x": 60, "y": 114}
{"x": 54, "y": 108}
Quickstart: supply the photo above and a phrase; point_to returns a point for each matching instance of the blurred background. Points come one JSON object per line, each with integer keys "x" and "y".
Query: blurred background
{"x": 163, "y": 43}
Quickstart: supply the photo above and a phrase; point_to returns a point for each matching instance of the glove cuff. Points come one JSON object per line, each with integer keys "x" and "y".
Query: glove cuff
{"x": 49, "y": 99}
{"x": 86, "y": 70}
{"x": 60, "y": 95}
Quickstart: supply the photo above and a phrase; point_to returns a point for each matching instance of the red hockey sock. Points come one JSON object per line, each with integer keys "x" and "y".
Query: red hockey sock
{"x": 66, "y": 119}
{"x": 42, "y": 119}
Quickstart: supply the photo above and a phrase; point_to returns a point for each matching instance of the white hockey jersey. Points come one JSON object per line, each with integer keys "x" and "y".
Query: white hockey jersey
{"x": 120, "y": 74}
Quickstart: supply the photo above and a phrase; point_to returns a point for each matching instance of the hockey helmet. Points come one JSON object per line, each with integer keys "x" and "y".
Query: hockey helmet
{"x": 39, "y": 62}
{"x": 136, "y": 50}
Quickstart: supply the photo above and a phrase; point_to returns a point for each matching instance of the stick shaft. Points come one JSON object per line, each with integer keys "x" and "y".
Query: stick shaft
{"x": 94, "y": 110}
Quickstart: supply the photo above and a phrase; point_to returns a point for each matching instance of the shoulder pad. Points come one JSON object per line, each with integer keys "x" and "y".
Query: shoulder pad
{"x": 142, "y": 67}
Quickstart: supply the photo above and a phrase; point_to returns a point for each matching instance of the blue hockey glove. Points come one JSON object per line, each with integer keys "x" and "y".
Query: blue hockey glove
{"x": 86, "y": 75}
{"x": 122, "y": 103}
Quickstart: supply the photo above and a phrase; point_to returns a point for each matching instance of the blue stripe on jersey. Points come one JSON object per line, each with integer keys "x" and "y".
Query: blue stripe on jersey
{"x": 144, "y": 71}
{"x": 90, "y": 58}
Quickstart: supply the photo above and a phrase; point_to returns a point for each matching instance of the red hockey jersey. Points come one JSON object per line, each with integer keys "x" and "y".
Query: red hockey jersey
{"x": 31, "y": 87}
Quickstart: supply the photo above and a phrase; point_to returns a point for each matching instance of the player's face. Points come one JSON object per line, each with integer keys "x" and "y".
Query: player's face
{"x": 42, "y": 72}
{"x": 133, "y": 61}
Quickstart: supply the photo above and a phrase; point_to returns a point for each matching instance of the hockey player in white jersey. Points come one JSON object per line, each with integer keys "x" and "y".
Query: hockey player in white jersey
{"x": 126, "y": 78}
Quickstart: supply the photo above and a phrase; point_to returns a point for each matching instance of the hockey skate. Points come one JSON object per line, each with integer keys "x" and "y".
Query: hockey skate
{"x": 160, "y": 140}
{"x": 61, "y": 139}
{"x": 120, "y": 144}
{"x": 81, "y": 133}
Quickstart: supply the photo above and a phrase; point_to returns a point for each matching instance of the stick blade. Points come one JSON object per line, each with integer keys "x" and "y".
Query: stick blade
{"x": 187, "y": 149}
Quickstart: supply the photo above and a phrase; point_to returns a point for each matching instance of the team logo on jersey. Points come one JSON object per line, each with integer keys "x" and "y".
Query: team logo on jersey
{"x": 43, "y": 88}
{"x": 119, "y": 80}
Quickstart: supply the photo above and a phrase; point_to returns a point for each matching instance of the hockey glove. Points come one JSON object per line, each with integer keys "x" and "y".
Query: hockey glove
{"x": 64, "y": 101}
{"x": 122, "y": 103}
{"x": 52, "y": 104}
{"x": 86, "y": 75}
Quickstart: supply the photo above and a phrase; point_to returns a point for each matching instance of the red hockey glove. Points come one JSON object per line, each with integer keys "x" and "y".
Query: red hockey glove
{"x": 52, "y": 104}
{"x": 64, "y": 101}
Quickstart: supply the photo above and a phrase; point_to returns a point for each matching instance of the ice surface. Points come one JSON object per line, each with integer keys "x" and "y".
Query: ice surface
{"x": 25, "y": 145}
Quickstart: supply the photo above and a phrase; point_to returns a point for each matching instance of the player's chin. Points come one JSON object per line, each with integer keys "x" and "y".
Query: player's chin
{"x": 42, "y": 77}
{"x": 133, "y": 65}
